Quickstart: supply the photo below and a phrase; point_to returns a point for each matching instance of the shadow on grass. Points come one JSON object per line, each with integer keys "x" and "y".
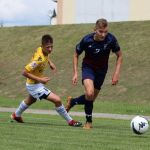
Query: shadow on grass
{"x": 8, "y": 120}
{"x": 44, "y": 124}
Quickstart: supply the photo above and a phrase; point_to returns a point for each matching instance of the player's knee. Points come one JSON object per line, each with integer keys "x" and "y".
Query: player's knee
{"x": 58, "y": 102}
{"x": 29, "y": 101}
{"x": 90, "y": 95}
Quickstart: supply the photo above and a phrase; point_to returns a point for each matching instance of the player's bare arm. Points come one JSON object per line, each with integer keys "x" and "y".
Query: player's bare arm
{"x": 27, "y": 74}
{"x": 75, "y": 68}
{"x": 52, "y": 65}
{"x": 116, "y": 73}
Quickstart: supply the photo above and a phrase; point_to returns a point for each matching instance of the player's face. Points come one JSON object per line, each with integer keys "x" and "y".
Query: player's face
{"x": 47, "y": 48}
{"x": 100, "y": 33}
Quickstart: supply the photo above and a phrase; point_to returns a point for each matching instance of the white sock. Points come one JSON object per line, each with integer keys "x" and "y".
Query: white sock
{"x": 62, "y": 112}
{"x": 22, "y": 107}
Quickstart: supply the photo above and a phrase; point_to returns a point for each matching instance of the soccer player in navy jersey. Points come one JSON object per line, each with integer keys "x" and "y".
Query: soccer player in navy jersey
{"x": 97, "y": 47}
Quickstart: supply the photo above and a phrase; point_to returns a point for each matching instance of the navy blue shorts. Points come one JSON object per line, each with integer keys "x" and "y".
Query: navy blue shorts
{"x": 97, "y": 76}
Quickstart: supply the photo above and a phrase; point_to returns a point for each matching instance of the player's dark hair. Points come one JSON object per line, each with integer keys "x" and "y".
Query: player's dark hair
{"x": 101, "y": 23}
{"x": 47, "y": 39}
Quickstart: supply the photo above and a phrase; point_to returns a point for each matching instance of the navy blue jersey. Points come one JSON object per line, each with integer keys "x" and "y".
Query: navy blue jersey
{"x": 97, "y": 52}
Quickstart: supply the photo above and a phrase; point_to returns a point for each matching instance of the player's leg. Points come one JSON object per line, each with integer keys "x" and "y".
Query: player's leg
{"x": 71, "y": 102}
{"x": 89, "y": 98}
{"x": 61, "y": 109}
{"x": 98, "y": 82}
{"x": 96, "y": 92}
{"x": 59, "y": 106}
{"x": 33, "y": 90}
{"x": 87, "y": 73}
{"x": 22, "y": 107}
{"x": 92, "y": 88}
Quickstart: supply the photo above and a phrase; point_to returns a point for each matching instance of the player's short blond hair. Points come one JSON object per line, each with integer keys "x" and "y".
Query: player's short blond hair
{"x": 101, "y": 23}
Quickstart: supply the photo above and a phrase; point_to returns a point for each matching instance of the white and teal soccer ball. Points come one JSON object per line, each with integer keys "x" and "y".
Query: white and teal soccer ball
{"x": 139, "y": 125}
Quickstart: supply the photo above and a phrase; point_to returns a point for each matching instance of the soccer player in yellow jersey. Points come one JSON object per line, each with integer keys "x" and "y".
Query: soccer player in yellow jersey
{"x": 36, "y": 80}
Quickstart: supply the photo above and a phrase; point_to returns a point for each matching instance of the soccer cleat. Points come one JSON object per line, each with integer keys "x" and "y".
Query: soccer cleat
{"x": 87, "y": 125}
{"x": 18, "y": 119}
{"x": 68, "y": 105}
{"x": 74, "y": 123}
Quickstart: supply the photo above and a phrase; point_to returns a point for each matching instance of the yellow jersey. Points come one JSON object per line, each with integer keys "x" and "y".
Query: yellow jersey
{"x": 37, "y": 65}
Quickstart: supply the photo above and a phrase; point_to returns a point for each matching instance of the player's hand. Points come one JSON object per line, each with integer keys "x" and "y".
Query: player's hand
{"x": 75, "y": 79}
{"x": 114, "y": 82}
{"x": 115, "y": 79}
{"x": 44, "y": 80}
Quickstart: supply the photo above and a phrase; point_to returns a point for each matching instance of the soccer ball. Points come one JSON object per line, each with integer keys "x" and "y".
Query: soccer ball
{"x": 139, "y": 125}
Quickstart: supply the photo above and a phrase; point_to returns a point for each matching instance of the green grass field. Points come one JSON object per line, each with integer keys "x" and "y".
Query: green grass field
{"x": 52, "y": 133}
{"x": 130, "y": 96}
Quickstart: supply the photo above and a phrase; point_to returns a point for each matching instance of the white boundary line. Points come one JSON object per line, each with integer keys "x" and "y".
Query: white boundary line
{"x": 95, "y": 115}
